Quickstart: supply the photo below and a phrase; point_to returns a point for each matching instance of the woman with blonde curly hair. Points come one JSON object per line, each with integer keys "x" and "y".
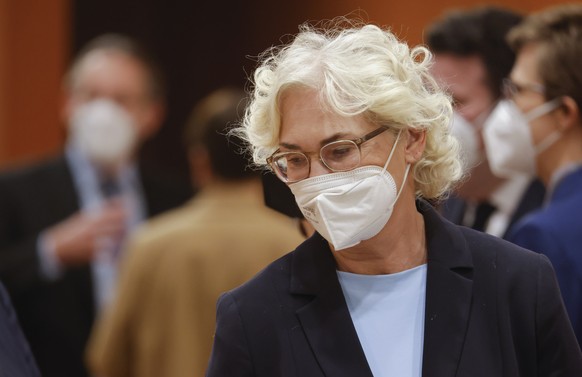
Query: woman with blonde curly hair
{"x": 349, "y": 117}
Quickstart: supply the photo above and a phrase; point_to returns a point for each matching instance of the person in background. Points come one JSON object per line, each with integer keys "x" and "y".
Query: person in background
{"x": 472, "y": 58}
{"x": 351, "y": 119}
{"x": 178, "y": 264}
{"x": 545, "y": 138}
{"x": 278, "y": 197}
{"x": 63, "y": 221}
{"x": 16, "y": 360}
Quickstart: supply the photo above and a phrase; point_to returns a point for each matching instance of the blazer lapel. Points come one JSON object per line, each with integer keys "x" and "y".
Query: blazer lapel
{"x": 325, "y": 319}
{"x": 448, "y": 295}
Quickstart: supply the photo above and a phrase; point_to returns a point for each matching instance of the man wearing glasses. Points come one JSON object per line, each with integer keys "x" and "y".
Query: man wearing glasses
{"x": 472, "y": 58}
{"x": 545, "y": 138}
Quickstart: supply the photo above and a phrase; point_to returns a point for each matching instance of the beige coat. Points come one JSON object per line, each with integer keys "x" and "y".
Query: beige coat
{"x": 162, "y": 322}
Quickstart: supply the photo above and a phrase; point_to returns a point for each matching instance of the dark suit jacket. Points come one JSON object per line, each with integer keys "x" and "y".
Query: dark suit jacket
{"x": 556, "y": 231}
{"x": 492, "y": 309}
{"x": 16, "y": 360}
{"x": 56, "y": 316}
{"x": 454, "y": 208}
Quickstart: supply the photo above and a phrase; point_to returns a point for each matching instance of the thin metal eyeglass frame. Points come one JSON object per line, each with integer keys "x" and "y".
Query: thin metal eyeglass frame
{"x": 510, "y": 88}
{"x": 358, "y": 142}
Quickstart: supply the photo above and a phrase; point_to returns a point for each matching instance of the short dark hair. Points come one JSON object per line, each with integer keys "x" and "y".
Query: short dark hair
{"x": 209, "y": 125}
{"x": 127, "y": 46}
{"x": 480, "y": 31}
{"x": 559, "y": 31}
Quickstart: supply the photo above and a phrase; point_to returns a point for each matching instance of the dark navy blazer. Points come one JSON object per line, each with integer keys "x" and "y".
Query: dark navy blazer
{"x": 492, "y": 309}
{"x": 556, "y": 231}
{"x": 454, "y": 208}
{"x": 16, "y": 360}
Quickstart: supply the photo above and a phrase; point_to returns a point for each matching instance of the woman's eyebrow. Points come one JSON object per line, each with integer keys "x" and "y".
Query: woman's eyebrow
{"x": 290, "y": 146}
{"x": 332, "y": 138}
{"x": 335, "y": 137}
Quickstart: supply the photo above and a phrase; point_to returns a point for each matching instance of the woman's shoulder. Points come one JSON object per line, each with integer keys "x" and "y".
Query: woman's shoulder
{"x": 457, "y": 245}
{"x": 483, "y": 243}
{"x": 502, "y": 257}
{"x": 285, "y": 281}
{"x": 263, "y": 285}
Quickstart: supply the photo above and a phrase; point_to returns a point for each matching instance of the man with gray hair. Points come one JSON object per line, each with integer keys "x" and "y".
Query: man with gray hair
{"x": 64, "y": 221}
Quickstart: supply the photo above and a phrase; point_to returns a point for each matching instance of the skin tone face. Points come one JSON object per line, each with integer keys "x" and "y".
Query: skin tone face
{"x": 306, "y": 127}
{"x": 565, "y": 118}
{"x": 465, "y": 79}
{"x": 302, "y": 116}
{"x": 120, "y": 78}
{"x": 524, "y": 74}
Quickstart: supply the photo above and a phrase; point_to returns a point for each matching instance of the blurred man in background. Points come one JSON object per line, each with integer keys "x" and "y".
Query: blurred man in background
{"x": 162, "y": 323}
{"x": 546, "y": 139}
{"x": 471, "y": 60}
{"x": 63, "y": 222}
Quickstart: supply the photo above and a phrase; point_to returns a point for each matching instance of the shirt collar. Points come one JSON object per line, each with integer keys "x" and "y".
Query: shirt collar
{"x": 86, "y": 172}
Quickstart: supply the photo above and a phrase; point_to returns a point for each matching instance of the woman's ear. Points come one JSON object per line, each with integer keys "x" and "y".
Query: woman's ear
{"x": 415, "y": 144}
{"x": 568, "y": 114}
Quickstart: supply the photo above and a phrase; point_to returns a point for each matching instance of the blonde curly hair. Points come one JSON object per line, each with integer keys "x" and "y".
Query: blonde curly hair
{"x": 357, "y": 69}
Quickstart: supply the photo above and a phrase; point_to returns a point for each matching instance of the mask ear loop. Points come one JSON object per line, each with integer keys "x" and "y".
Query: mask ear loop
{"x": 543, "y": 109}
{"x": 538, "y": 112}
{"x": 405, "y": 172}
{"x": 392, "y": 151}
{"x": 548, "y": 141}
{"x": 403, "y": 182}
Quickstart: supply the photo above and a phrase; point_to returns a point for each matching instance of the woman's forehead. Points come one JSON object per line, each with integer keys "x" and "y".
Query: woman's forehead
{"x": 306, "y": 122}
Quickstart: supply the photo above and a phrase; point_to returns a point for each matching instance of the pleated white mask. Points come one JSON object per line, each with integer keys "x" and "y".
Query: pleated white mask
{"x": 349, "y": 207}
{"x": 508, "y": 140}
{"x": 103, "y": 131}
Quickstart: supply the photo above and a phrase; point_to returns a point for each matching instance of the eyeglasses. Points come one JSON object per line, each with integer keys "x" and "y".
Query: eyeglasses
{"x": 337, "y": 156}
{"x": 511, "y": 89}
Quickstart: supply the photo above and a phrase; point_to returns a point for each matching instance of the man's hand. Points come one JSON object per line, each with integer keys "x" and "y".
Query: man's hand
{"x": 77, "y": 238}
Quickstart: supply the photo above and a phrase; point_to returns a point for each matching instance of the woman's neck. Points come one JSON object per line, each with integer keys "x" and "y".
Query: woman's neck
{"x": 399, "y": 246}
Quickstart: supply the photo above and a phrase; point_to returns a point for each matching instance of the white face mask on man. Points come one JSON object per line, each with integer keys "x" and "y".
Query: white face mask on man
{"x": 466, "y": 134}
{"x": 103, "y": 131}
{"x": 349, "y": 207}
{"x": 508, "y": 139}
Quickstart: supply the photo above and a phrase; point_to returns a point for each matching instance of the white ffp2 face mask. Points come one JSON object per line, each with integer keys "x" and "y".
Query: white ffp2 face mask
{"x": 508, "y": 140}
{"x": 466, "y": 134}
{"x": 103, "y": 131}
{"x": 349, "y": 207}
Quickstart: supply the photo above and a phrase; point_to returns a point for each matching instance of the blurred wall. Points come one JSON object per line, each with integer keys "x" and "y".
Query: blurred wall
{"x": 200, "y": 45}
{"x": 408, "y": 18}
{"x": 34, "y": 49}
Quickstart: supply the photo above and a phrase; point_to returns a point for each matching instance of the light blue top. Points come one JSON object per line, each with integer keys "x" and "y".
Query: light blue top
{"x": 388, "y": 314}
{"x": 91, "y": 200}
